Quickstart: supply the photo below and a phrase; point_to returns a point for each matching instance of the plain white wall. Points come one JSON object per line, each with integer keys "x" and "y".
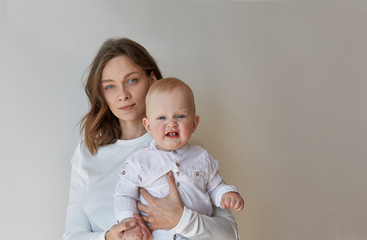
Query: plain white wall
{"x": 280, "y": 87}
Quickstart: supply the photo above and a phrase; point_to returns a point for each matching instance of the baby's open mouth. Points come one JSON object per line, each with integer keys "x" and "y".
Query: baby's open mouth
{"x": 172, "y": 134}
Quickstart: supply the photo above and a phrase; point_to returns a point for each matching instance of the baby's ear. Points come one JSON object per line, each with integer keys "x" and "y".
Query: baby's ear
{"x": 195, "y": 122}
{"x": 146, "y": 124}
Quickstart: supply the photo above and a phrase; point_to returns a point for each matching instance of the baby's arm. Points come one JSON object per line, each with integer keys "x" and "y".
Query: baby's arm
{"x": 221, "y": 194}
{"x": 232, "y": 200}
{"x": 127, "y": 192}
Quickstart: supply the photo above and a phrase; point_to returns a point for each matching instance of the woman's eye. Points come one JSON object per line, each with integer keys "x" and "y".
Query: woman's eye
{"x": 109, "y": 87}
{"x": 131, "y": 81}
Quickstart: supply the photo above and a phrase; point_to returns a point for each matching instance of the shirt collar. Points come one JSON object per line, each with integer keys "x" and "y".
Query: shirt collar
{"x": 179, "y": 151}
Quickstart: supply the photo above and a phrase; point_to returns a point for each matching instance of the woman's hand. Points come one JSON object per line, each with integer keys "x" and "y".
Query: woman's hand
{"x": 117, "y": 231}
{"x": 163, "y": 213}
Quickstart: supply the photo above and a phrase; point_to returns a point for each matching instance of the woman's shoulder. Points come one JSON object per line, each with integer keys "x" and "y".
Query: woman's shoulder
{"x": 80, "y": 152}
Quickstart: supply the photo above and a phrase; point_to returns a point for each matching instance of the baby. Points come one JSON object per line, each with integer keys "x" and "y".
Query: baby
{"x": 171, "y": 120}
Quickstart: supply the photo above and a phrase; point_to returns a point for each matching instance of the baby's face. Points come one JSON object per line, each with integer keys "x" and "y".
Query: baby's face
{"x": 170, "y": 119}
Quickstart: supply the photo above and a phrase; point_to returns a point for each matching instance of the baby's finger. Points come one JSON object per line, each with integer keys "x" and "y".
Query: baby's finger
{"x": 242, "y": 204}
{"x": 227, "y": 202}
{"x": 236, "y": 205}
{"x": 233, "y": 202}
{"x": 239, "y": 205}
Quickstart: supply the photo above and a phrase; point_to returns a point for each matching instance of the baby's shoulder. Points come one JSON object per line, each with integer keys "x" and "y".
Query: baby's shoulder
{"x": 141, "y": 155}
{"x": 202, "y": 154}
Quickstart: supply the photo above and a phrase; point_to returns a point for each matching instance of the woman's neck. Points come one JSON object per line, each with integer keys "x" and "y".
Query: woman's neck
{"x": 132, "y": 129}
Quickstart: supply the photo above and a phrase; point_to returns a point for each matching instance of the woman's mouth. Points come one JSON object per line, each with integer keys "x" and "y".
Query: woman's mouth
{"x": 127, "y": 108}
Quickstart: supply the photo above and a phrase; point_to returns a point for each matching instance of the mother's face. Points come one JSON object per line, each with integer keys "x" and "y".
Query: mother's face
{"x": 125, "y": 86}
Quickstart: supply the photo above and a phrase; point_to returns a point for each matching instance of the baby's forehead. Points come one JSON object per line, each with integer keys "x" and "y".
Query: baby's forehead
{"x": 170, "y": 100}
{"x": 177, "y": 93}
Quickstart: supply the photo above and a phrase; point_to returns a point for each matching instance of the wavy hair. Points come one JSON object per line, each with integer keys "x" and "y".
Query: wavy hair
{"x": 100, "y": 126}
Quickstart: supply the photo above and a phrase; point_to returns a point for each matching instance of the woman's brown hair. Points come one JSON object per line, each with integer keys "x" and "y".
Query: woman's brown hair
{"x": 100, "y": 125}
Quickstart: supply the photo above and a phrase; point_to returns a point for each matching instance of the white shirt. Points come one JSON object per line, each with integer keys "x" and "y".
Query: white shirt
{"x": 90, "y": 212}
{"x": 196, "y": 174}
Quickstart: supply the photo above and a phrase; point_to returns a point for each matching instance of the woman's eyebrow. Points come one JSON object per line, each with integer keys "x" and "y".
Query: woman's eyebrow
{"x": 129, "y": 74}
{"x": 126, "y": 76}
{"x": 106, "y": 80}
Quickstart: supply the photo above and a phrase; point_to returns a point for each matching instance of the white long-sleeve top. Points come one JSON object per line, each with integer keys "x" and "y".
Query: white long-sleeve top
{"x": 90, "y": 212}
{"x": 196, "y": 174}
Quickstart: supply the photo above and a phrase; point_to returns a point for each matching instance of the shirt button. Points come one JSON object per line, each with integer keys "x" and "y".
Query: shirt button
{"x": 123, "y": 172}
{"x": 174, "y": 151}
{"x": 175, "y": 237}
{"x": 178, "y": 184}
{"x": 177, "y": 164}
{"x": 197, "y": 173}
{"x": 178, "y": 174}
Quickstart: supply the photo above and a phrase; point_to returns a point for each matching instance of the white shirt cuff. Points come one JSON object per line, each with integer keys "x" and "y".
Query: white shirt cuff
{"x": 184, "y": 221}
{"x": 222, "y": 191}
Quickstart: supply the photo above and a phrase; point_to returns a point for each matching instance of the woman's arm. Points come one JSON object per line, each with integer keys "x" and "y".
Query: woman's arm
{"x": 77, "y": 224}
{"x": 221, "y": 225}
{"x": 170, "y": 213}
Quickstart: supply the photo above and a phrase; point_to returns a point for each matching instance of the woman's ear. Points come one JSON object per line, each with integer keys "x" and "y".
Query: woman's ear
{"x": 195, "y": 122}
{"x": 152, "y": 78}
{"x": 146, "y": 124}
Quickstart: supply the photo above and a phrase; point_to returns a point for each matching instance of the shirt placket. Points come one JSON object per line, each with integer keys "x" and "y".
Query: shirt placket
{"x": 177, "y": 169}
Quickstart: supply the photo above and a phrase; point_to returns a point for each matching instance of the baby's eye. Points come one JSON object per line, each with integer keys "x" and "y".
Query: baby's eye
{"x": 161, "y": 118}
{"x": 180, "y": 116}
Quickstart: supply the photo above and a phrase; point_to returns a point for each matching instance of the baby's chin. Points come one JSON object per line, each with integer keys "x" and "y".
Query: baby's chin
{"x": 170, "y": 147}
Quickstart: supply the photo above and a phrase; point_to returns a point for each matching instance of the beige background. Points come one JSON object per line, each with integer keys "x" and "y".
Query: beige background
{"x": 280, "y": 88}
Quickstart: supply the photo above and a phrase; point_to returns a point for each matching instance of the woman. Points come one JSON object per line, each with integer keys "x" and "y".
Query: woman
{"x": 119, "y": 78}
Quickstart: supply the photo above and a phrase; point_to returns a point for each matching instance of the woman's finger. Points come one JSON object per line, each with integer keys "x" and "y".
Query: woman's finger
{"x": 173, "y": 191}
{"x": 124, "y": 226}
{"x": 142, "y": 208}
{"x": 145, "y": 218}
{"x": 148, "y": 224}
{"x": 149, "y": 198}
{"x": 164, "y": 213}
{"x": 116, "y": 229}
{"x": 145, "y": 231}
{"x": 147, "y": 235}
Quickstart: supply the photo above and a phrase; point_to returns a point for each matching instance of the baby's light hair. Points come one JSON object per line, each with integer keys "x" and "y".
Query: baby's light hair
{"x": 168, "y": 85}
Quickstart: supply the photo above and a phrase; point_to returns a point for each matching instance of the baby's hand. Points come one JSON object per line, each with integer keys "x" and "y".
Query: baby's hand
{"x": 134, "y": 233}
{"x": 232, "y": 200}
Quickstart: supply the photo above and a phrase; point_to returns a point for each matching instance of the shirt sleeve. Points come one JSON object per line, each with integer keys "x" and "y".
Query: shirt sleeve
{"x": 77, "y": 226}
{"x": 221, "y": 225}
{"x": 127, "y": 190}
{"x": 216, "y": 186}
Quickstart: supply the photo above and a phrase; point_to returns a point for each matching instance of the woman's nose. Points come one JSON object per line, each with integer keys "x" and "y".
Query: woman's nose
{"x": 123, "y": 95}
